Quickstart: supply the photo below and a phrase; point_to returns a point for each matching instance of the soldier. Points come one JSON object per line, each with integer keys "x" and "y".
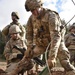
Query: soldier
{"x": 70, "y": 42}
{"x": 15, "y": 18}
{"x": 12, "y": 54}
{"x": 44, "y": 27}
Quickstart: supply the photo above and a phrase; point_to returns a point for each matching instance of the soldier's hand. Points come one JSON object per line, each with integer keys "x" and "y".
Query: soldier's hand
{"x": 15, "y": 46}
{"x": 51, "y": 63}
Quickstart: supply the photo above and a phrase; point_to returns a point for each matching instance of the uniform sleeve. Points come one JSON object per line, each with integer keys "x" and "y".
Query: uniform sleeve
{"x": 24, "y": 44}
{"x": 7, "y": 51}
{"x": 66, "y": 37}
{"x": 67, "y": 40}
{"x": 29, "y": 32}
{"x": 23, "y": 33}
{"x": 5, "y": 30}
{"x": 54, "y": 28}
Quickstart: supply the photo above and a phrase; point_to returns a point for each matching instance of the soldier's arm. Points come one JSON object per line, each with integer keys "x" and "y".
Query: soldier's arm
{"x": 5, "y": 30}
{"x": 29, "y": 37}
{"x": 67, "y": 40}
{"x": 29, "y": 32}
{"x": 22, "y": 29}
{"x": 54, "y": 27}
{"x": 7, "y": 51}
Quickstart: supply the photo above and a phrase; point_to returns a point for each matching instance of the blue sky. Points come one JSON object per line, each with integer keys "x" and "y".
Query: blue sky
{"x": 65, "y": 8}
{"x": 58, "y": 5}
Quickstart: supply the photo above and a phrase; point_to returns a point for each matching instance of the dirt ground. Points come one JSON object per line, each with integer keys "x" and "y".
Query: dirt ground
{"x": 2, "y": 64}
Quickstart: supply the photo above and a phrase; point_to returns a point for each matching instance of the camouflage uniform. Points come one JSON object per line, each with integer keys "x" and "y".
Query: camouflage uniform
{"x": 9, "y": 51}
{"x": 41, "y": 31}
{"x": 70, "y": 43}
{"x": 11, "y": 54}
{"x": 5, "y": 30}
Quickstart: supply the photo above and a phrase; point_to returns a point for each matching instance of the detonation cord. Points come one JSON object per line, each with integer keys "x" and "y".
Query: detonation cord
{"x": 46, "y": 58}
{"x": 73, "y": 2}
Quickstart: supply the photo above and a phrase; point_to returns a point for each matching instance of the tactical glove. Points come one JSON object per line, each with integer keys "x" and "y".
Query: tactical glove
{"x": 19, "y": 56}
{"x": 51, "y": 63}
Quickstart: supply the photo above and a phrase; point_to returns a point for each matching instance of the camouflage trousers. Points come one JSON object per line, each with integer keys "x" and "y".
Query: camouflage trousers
{"x": 72, "y": 57}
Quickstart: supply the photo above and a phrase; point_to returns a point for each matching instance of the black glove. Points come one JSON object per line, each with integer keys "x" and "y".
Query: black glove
{"x": 15, "y": 46}
{"x": 19, "y": 56}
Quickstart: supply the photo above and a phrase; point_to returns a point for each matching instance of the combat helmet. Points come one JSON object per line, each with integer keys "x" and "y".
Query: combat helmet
{"x": 32, "y": 4}
{"x": 14, "y": 29}
{"x": 15, "y": 14}
{"x": 72, "y": 27}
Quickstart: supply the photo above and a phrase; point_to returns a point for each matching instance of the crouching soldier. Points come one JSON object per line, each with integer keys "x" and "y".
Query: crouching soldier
{"x": 11, "y": 53}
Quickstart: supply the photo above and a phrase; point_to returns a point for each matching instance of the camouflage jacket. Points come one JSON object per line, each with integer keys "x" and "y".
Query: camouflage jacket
{"x": 43, "y": 29}
{"x": 10, "y": 52}
{"x": 70, "y": 41}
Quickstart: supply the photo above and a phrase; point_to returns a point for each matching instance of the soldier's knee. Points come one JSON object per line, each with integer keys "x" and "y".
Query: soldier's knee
{"x": 67, "y": 66}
